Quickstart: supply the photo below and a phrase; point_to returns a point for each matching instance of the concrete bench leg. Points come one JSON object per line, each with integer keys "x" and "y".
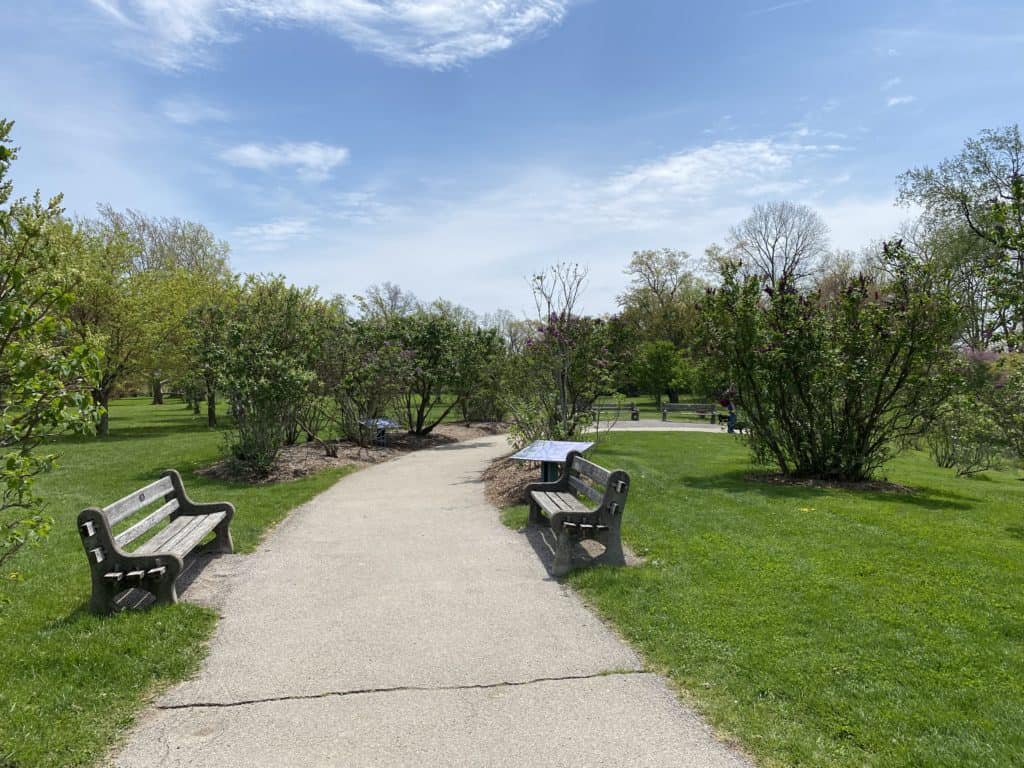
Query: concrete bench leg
{"x": 166, "y": 593}
{"x": 613, "y": 554}
{"x": 535, "y": 517}
{"x": 222, "y": 544}
{"x": 563, "y": 554}
{"x": 103, "y": 594}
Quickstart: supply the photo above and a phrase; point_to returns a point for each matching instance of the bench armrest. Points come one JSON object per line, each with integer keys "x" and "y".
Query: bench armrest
{"x": 187, "y": 507}
{"x": 208, "y": 508}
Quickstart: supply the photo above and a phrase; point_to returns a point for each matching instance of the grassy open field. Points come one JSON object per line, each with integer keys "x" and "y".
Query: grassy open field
{"x": 825, "y": 627}
{"x": 71, "y": 682}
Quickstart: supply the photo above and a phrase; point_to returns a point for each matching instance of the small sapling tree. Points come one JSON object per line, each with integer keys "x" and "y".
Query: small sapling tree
{"x": 563, "y": 367}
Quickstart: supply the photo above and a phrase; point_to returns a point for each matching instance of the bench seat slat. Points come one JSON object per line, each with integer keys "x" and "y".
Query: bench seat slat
{"x": 189, "y": 540}
{"x": 180, "y": 535}
{"x": 159, "y": 542}
{"x": 555, "y": 502}
{"x": 190, "y": 535}
{"x": 129, "y": 535}
{"x": 587, "y": 490}
{"x": 133, "y": 502}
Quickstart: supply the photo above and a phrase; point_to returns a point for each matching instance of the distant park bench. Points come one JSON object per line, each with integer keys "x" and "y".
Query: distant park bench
{"x": 571, "y": 520}
{"x": 599, "y": 409}
{"x": 700, "y": 409}
{"x": 156, "y": 564}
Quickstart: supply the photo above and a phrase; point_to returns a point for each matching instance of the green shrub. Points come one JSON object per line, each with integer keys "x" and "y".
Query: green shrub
{"x": 965, "y": 436}
{"x": 832, "y": 384}
{"x": 273, "y": 337}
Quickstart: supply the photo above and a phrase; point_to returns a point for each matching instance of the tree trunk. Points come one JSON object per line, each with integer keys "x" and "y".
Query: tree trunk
{"x": 211, "y": 402}
{"x": 102, "y": 398}
{"x": 158, "y": 392}
{"x": 195, "y": 405}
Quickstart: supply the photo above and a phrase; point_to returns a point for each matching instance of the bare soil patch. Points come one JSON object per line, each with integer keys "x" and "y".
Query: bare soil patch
{"x": 302, "y": 459}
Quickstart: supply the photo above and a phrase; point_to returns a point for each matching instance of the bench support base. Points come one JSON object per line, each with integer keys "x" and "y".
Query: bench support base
{"x": 563, "y": 554}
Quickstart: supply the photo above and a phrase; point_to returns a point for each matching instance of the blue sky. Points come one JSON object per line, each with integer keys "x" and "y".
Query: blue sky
{"x": 455, "y": 147}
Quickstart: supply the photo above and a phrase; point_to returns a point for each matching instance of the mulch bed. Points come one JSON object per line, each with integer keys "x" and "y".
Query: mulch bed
{"x": 505, "y": 481}
{"x": 302, "y": 459}
{"x": 880, "y": 486}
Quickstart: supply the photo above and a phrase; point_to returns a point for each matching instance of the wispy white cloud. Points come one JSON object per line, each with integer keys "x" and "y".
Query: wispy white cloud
{"x": 437, "y": 34}
{"x": 634, "y": 196}
{"x": 312, "y": 160}
{"x": 172, "y": 34}
{"x": 270, "y": 235}
{"x": 897, "y": 101}
{"x": 191, "y": 111}
{"x": 891, "y": 83}
{"x": 779, "y": 7}
{"x": 480, "y": 246}
{"x": 111, "y": 8}
{"x": 856, "y": 222}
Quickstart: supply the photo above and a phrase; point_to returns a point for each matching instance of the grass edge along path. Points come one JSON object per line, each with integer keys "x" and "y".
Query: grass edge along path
{"x": 824, "y": 627}
{"x": 72, "y": 683}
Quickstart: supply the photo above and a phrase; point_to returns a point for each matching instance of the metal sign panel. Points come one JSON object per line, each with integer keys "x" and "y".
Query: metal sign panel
{"x": 549, "y": 450}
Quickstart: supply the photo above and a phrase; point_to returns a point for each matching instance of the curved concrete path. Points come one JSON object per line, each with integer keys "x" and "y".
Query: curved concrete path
{"x": 393, "y": 621}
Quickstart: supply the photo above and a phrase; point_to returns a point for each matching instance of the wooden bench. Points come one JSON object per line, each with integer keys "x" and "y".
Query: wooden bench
{"x": 571, "y": 520}
{"x": 155, "y": 565}
{"x": 617, "y": 409}
{"x": 701, "y": 409}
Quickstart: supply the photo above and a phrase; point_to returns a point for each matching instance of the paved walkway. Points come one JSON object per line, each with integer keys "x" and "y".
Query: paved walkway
{"x": 393, "y": 621}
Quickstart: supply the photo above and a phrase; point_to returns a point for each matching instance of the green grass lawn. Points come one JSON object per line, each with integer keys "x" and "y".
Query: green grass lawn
{"x": 825, "y": 627}
{"x": 70, "y": 682}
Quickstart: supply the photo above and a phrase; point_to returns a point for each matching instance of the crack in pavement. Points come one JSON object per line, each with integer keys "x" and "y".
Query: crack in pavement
{"x": 399, "y": 689}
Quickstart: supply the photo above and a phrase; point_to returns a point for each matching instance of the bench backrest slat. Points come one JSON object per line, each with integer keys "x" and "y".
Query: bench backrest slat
{"x": 149, "y": 521}
{"x": 133, "y": 502}
{"x": 588, "y": 469}
{"x": 587, "y": 490}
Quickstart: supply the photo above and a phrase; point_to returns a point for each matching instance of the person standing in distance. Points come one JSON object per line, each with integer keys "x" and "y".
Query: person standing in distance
{"x": 728, "y": 402}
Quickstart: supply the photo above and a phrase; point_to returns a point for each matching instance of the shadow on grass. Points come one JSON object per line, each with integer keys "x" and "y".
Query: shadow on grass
{"x": 121, "y": 434}
{"x": 77, "y": 614}
{"x": 1016, "y": 531}
{"x": 136, "y": 599}
{"x": 740, "y": 481}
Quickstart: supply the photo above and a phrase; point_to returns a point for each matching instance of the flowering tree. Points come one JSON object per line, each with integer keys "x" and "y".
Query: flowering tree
{"x": 563, "y": 367}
